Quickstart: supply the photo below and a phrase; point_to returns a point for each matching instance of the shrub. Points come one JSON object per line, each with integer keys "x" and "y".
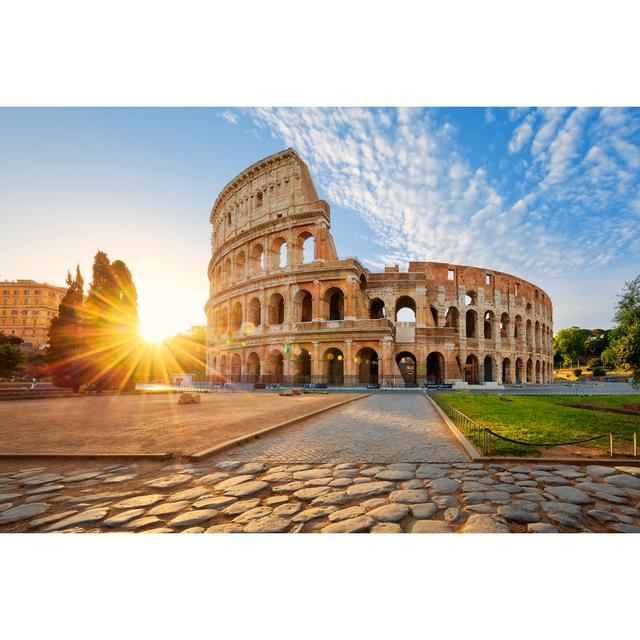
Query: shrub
{"x": 577, "y": 372}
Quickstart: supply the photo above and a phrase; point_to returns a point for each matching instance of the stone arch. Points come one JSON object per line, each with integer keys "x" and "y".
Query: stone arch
{"x": 305, "y": 248}
{"x": 279, "y": 253}
{"x": 505, "y": 323}
{"x": 275, "y": 364}
{"x": 301, "y": 362}
{"x": 434, "y": 315}
{"x": 471, "y": 369}
{"x": 254, "y": 312}
{"x": 517, "y": 329}
{"x": 253, "y": 367}
{"x": 276, "y": 309}
{"x": 363, "y": 282}
{"x": 376, "y": 309}
{"x": 471, "y": 298}
{"x": 538, "y": 372}
{"x": 452, "y": 318}
{"x": 257, "y": 258}
{"x": 537, "y": 337}
{"x": 519, "y": 371}
{"x": 236, "y": 368}
{"x": 236, "y": 316}
{"x": 303, "y": 306}
{"x": 241, "y": 265}
{"x": 471, "y": 323}
{"x": 435, "y": 368}
{"x": 506, "y": 371}
{"x": 367, "y": 361}
{"x": 333, "y": 302}
{"x": 488, "y": 324}
{"x": 224, "y": 320}
{"x": 333, "y": 360}
{"x": 406, "y": 362}
{"x": 408, "y": 303}
{"x": 489, "y": 367}
{"x": 222, "y": 370}
{"x": 227, "y": 272}
{"x": 529, "y": 334}
{"x": 529, "y": 370}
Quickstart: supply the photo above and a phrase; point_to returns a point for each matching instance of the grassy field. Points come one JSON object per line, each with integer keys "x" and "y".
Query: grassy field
{"x": 544, "y": 419}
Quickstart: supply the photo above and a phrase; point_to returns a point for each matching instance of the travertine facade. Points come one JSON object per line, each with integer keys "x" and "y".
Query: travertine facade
{"x": 284, "y": 308}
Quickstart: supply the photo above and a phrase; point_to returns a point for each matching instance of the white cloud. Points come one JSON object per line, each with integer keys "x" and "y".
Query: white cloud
{"x": 521, "y": 134}
{"x": 231, "y": 118}
{"x": 407, "y": 177}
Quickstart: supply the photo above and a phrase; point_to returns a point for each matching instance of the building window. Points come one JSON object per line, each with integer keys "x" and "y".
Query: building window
{"x": 36, "y": 292}
{"x": 451, "y": 274}
{"x": 26, "y": 292}
{"x": 16, "y": 292}
{"x": 25, "y": 313}
{"x": 36, "y": 312}
{"x": 14, "y": 312}
{"x": 517, "y": 287}
{"x": 259, "y": 199}
{"x": 487, "y": 279}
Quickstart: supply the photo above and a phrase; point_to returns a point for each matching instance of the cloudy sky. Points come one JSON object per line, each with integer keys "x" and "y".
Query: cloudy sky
{"x": 550, "y": 194}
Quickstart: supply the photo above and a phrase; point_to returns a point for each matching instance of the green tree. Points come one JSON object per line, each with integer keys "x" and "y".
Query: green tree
{"x": 11, "y": 357}
{"x": 111, "y": 318}
{"x": 627, "y": 349}
{"x": 624, "y": 344}
{"x": 66, "y": 353}
{"x": 569, "y": 344}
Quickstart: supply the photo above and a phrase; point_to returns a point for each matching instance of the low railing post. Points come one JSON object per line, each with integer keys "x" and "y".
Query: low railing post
{"x": 635, "y": 444}
{"x": 611, "y": 444}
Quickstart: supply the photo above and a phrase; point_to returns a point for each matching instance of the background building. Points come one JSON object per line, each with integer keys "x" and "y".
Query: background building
{"x": 283, "y": 307}
{"x": 27, "y": 308}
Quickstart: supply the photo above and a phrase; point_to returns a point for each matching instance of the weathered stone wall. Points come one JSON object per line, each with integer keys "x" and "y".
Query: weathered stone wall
{"x": 276, "y": 314}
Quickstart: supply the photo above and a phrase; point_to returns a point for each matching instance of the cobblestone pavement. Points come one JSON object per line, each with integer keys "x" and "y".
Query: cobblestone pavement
{"x": 237, "y": 496}
{"x": 379, "y": 428}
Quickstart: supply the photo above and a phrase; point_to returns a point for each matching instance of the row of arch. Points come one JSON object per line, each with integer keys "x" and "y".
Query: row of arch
{"x": 263, "y": 256}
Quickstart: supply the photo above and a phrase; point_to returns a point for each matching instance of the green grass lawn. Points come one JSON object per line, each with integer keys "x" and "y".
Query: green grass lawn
{"x": 544, "y": 419}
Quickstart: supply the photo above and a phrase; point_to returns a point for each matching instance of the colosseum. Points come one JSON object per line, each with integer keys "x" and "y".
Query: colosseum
{"x": 284, "y": 308}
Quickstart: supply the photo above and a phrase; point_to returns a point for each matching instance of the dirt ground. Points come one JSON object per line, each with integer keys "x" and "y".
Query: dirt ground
{"x": 145, "y": 423}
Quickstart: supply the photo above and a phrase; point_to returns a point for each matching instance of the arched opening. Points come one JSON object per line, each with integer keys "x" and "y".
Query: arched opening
{"x": 538, "y": 373}
{"x": 470, "y": 298}
{"x": 236, "y": 316}
{"x": 363, "y": 282}
{"x": 377, "y": 309}
{"x": 276, "y": 309}
{"x": 334, "y": 303}
{"x": 227, "y": 271}
{"x": 241, "y": 265}
{"x": 518, "y": 371}
{"x": 506, "y": 371}
{"x": 471, "y": 322}
{"x": 254, "y": 312}
{"x": 489, "y": 370}
{"x": 489, "y": 319}
{"x": 451, "y": 319}
{"x": 405, "y": 309}
{"x": 471, "y": 370}
{"x": 435, "y": 368}
{"x": 537, "y": 337}
{"x": 407, "y": 364}
{"x": 504, "y": 325}
{"x": 434, "y": 315}
{"x": 529, "y": 336}
{"x": 303, "y": 306}
{"x": 529, "y": 370}
{"x": 253, "y": 367}
{"x": 279, "y": 253}
{"x": 301, "y": 366}
{"x": 224, "y": 320}
{"x": 367, "y": 361}
{"x": 222, "y": 371}
{"x": 308, "y": 247}
{"x": 517, "y": 329}
{"x": 236, "y": 368}
{"x": 276, "y": 366}
{"x": 334, "y": 366}
{"x": 257, "y": 258}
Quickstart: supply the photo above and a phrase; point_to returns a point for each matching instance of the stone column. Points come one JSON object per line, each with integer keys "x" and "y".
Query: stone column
{"x": 349, "y": 368}
{"x": 316, "y": 364}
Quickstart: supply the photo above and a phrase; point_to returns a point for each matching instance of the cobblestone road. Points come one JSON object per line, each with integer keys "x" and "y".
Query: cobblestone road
{"x": 259, "y": 497}
{"x": 379, "y": 428}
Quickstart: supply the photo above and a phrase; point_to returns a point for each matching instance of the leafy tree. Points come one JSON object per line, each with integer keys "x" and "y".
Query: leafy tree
{"x": 66, "y": 353}
{"x": 624, "y": 346}
{"x": 111, "y": 319}
{"x": 11, "y": 357}
{"x": 628, "y": 307}
{"x": 569, "y": 344}
{"x": 5, "y": 339}
{"x": 596, "y": 341}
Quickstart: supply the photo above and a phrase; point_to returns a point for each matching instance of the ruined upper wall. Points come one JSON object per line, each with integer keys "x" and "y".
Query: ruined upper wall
{"x": 269, "y": 191}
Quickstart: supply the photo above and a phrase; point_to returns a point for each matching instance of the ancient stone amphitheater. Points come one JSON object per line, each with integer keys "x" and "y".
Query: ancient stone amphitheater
{"x": 283, "y": 307}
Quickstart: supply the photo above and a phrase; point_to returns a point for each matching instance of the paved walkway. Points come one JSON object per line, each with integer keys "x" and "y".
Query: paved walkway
{"x": 380, "y": 428}
{"x": 236, "y": 496}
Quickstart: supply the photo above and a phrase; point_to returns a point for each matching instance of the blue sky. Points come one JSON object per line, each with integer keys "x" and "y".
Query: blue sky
{"x": 552, "y": 195}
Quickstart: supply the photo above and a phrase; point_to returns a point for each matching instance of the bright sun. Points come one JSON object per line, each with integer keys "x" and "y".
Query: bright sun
{"x": 154, "y": 334}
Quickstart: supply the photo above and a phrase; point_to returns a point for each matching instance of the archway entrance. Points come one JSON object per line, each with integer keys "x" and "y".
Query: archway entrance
{"x": 407, "y": 364}
{"x": 276, "y": 366}
{"x": 489, "y": 369}
{"x": 518, "y": 371}
{"x": 334, "y": 359}
{"x": 253, "y": 367}
{"x": 302, "y": 366}
{"x": 471, "y": 370}
{"x": 435, "y": 368}
{"x": 367, "y": 360}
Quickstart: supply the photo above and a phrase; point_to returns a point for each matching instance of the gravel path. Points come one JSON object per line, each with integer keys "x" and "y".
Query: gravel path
{"x": 381, "y": 428}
